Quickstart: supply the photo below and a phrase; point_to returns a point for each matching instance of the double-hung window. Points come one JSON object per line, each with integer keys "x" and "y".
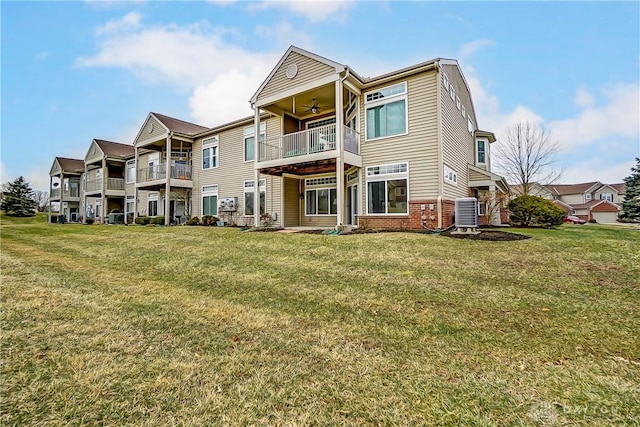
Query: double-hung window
{"x": 320, "y": 196}
{"x": 481, "y": 152}
{"x": 388, "y": 189}
{"x": 386, "y": 111}
{"x": 249, "y": 140}
{"x": 210, "y": 200}
{"x": 248, "y": 197}
{"x": 450, "y": 175}
{"x": 607, "y": 196}
{"x": 210, "y": 152}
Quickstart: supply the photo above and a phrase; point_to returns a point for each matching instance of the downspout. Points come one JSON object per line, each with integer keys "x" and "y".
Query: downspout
{"x": 440, "y": 157}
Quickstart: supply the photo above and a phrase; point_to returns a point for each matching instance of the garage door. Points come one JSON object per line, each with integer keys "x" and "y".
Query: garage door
{"x": 605, "y": 217}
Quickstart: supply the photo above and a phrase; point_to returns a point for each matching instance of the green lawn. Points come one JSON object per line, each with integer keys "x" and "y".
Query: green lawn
{"x": 155, "y": 326}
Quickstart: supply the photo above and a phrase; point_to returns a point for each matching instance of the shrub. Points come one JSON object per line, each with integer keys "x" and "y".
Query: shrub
{"x": 533, "y": 210}
{"x": 157, "y": 220}
{"x": 194, "y": 221}
{"x": 89, "y": 221}
{"x": 208, "y": 220}
{"x": 143, "y": 220}
{"x": 592, "y": 221}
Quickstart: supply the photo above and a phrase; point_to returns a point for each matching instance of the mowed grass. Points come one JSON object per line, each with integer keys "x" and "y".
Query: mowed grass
{"x": 114, "y": 325}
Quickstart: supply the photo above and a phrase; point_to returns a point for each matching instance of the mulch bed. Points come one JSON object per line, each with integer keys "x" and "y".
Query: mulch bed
{"x": 490, "y": 235}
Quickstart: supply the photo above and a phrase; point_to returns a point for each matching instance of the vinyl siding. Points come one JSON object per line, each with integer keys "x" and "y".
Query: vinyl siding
{"x": 158, "y": 130}
{"x": 55, "y": 169}
{"x": 419, "y": 146}
{"x": 607, "y": 190}
{"x": 476, "y": 176}
{"x": 573, "y": 199}
{"x": 308, "y": 70}
{"x": 94, "y": 154}
{"x": 457, "y": 143}
{"x": 232, "y": 171}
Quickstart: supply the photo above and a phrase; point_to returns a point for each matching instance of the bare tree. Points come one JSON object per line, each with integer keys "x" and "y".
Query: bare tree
{"x": 527, "y": 155}
{"x": 42, "y": 200}
{"x": 492, "y": 202}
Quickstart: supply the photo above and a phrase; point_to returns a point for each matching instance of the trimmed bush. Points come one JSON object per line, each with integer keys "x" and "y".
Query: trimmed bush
{"x": 194, "y": 221}
{"x": 157, "y": 220}
{"x": 208, "y": 220}
{"x": 89, "y": 221}
{"x": 143, "y": 220}
{"x": 534, "y": 210}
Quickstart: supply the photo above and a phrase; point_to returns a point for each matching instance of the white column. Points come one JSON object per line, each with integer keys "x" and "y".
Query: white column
{"x": 50, "y": 188}
{"x": 105, "y": 177}
{"x": 340, "y": 158}
{"x": 135, "y": 187}
{"x": 492, "y": 205}
{"x": 256, "y": 179}
{"x": 167, "y": 185}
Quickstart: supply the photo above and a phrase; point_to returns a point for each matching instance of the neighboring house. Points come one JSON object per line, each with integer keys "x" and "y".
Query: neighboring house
{"x": 326, "y": 147}
{"x": 589, "y": 200}
{"x": 535, "y": 189}
{"x": 65, "y": 179}
{"x": 104, "y": 178}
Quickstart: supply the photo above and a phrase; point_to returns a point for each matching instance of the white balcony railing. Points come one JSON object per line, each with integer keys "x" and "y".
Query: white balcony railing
{"x": 158, "y": 172}
{"x": 94, "y": 185}
{"x": 55, "y": 192}
{"x": 306, "y": 142}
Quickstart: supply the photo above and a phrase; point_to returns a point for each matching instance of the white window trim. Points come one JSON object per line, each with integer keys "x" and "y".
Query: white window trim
{"x": 385, "y": 178}
{"x": 249, "y": 132}
{"x": 608, "y": 199}
{"x": 309, "y": 186}
{"x": 153, "y": 196}
{"x": 450, "y": 176}
{"x": 445, "y": 81}
{"x": 470, "y": 126}
{"x": 486, "y": 151}
{"x": 463, "y": 111}
{"x": 263, "y": 187}
{"x": 208, "y": 191}
{"x": 587, "y": 196}
{"x": 458, "y": 103}
{"x": 452, "y": 92}
{"x": 390, "y": 99}
{"x": 208, "y": 143}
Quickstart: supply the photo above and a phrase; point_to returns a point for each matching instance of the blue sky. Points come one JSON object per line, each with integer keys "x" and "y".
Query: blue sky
{"x": 74, "y": 71}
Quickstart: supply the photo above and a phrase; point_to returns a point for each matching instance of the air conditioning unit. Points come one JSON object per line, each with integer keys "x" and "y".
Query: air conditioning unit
{"x": 228, "y": 204}
{"x": 466, "y": 210}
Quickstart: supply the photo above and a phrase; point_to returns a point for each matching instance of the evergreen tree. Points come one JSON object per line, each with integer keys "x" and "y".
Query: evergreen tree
{"x": 18, "y": 199}
{"x": 631, "y": 204}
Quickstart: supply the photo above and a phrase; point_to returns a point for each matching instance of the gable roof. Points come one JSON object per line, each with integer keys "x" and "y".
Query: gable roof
{"x": 115, "y": 149}
{"x": 564, "y": 189}
{"x": 621, "y": 188}
{"x": 179, "y": 126}
{"x": 593, "y": 203}
{"x": 70, "y": 165}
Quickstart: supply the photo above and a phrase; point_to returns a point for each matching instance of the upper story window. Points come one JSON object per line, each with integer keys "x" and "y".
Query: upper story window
{"x": 587, "y": 196}
{"x": 452, "y": 92}
{"x": 607, "y": 196}
{"x": 249, "y": 140}
{"x": 387, "y": 189}
{"x": 445, "y": 81}
{"x": 386, "y": 111}
{"x": 481, "y": 152}
{"x": 130, "y": 172}
{"x": 463, "y": 111}
{"x": 210, "y": 152}
{"x": 470, "y": 126}
{"x": 458, "y": 103}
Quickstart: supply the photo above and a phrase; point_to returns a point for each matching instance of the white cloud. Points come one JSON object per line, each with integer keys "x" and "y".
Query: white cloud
{"x": 489, "y": 115}
{"x": 197, "y": 58}
{"x": 593, "y": 170}
{"x": 584, "y": 98}
{"x": 129, "y": 21}
{"x": 470, "y": 48}
{"x": 619, "y": 117}
{"x": 313, "y": 10}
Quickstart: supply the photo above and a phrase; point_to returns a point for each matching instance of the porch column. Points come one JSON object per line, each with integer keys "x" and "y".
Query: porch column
{"x": 105, "y": 177}
{"x": 135, "y": 187}
{"x": 256, "y": 178}
{"x": 84, "y": 194}
{"x": 60, "y": 211}
{"x": 50, "y": 188}
{"x": 492, "y": 204}
{"x": 340, "y": 157}
{"x": 167, "y": 185}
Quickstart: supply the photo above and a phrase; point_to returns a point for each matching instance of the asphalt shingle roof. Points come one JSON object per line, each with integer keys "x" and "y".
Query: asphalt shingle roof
{"x": 180, "y": 126}
{"x": 70, "y": 165}
{"x": 115, "y": 148}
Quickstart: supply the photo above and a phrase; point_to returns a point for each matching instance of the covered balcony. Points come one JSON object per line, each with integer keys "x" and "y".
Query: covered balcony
{"x": 155, "y": 177}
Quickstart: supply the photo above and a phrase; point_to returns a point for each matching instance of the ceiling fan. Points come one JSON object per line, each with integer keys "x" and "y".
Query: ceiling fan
{"x": 314, "y": 107}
